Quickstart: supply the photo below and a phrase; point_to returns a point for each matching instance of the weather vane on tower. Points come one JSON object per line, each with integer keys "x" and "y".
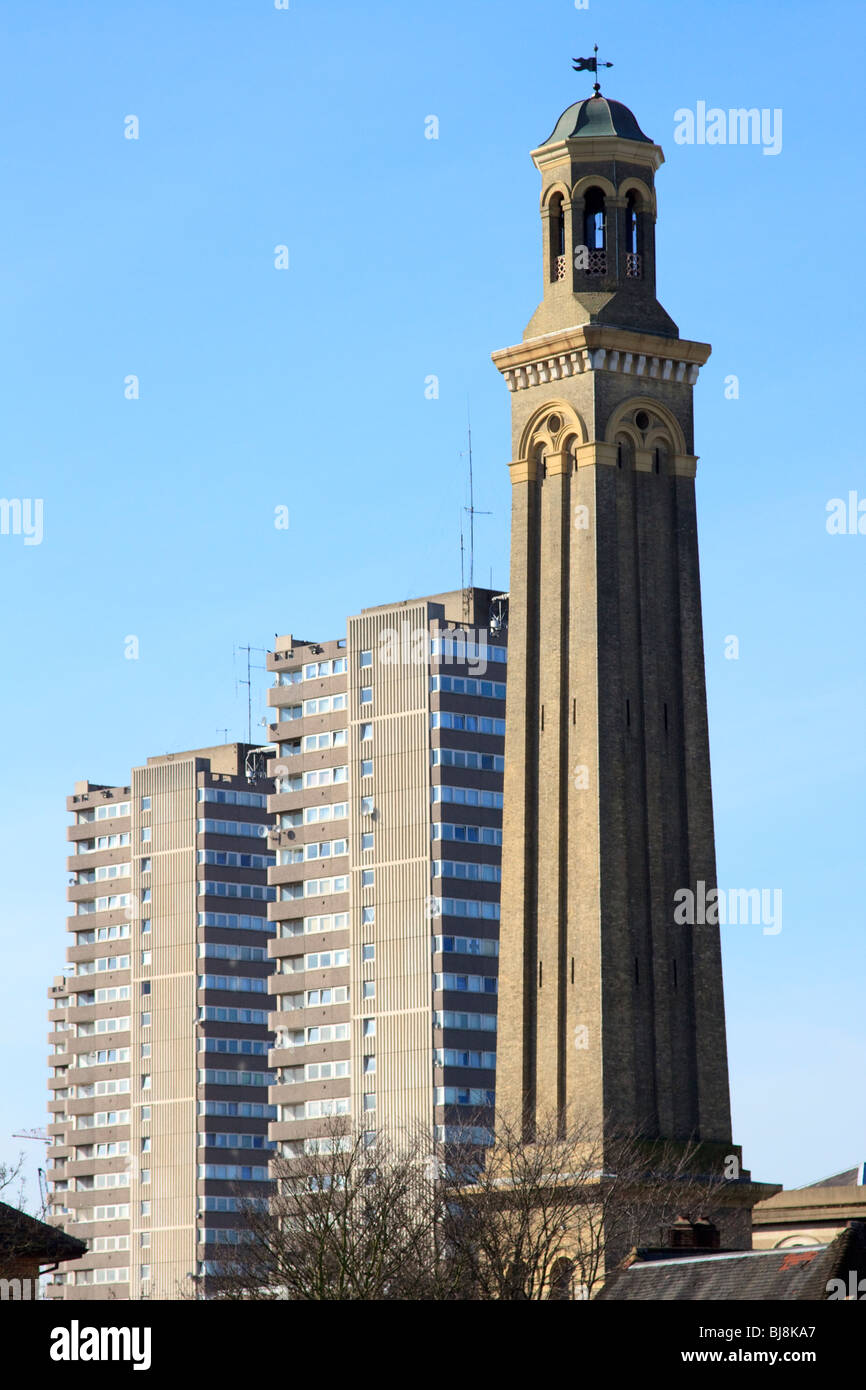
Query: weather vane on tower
{"x": 591, "y": 65}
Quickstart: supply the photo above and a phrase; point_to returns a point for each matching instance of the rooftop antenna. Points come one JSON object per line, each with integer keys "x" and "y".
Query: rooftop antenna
{"x": 249, "y": 683}
{"x": 226, "y": 732}
{"x": 473, "y": 512}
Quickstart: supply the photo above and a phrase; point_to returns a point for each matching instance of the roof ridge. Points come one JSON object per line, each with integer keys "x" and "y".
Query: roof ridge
{"x": 730, "y": 1255}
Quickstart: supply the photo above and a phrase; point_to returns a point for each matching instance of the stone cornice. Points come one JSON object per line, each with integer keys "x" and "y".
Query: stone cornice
{"x": 588, "y": 149}
{"x": 598, "y": 452}
{"x": 596, "y": 347}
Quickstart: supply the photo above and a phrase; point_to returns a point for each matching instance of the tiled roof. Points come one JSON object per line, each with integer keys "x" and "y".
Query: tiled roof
{"x": 25, "y": 1237}
{"x": 791, "y": 1274}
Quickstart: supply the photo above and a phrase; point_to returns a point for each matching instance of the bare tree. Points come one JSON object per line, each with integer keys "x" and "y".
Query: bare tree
{"x": 12, "y": 1177}
{"x": 407, "y": 1219}
{"x": 350, "y": 1220}
{"x": 547, "y": 1217}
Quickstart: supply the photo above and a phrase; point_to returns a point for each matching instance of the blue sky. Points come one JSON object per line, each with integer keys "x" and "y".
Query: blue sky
{"x": 305, "y": 388}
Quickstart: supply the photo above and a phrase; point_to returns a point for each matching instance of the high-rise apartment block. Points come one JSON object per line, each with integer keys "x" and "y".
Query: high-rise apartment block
{"x": 388, "y": 807}
{"x": 159, "y": 1107}
{"x": 351, "y": 872}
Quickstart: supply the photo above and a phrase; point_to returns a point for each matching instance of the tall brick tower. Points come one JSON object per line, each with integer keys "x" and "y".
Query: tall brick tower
{"x": 607, "y": 1006}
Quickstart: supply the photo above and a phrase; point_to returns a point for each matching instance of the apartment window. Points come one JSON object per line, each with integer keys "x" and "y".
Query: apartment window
{"x": 369, "y": 1028}
{"x": 228, "y": 798}
{"x": 330, "y": 1032}
{"x": 369, "y": 1062}
{"x": 145, "y": 1146}
{"x": 463, "y": 1095}
{"x": 461, "y": 868}
{"x": 146, "y": 866}
{"x": 145, "y": 1081}
{"x": 144, "y": 1272}
{"x": 324, "y": 849}
{"x": 145, "y": 803}
{"x": 368, "y": 915}
{"x": 145, "y": 1175}
{"x": 145, "y": 1049}
{"x": 366, "y": 805}
{"x": 366, "y": 731}
{"x": 145, "y": 895}
{"x": 232, "y": 859}
{"x": 474, "y": 1023}
{"x": 367, "y": 840}
{"x": 325, "y": 704}
{"x": 145, "y": 924}
{"x": 313, "y": 887}
{"x": 145, "y": 957}
{"x": 466, "y": 834}
{"x": 289, "y": 712}
{"x": 145, "y": 1112}
{"x": 366, "y": 767}
{"x": 337, "y": 810}
{"x": 337, "y": 994}
{"x": 461, "y": 650}
{"x": 369, "y": 1101}
{"x": 368, "y": 952}
{"x": 336, "y": 738}
{"x": 465, "y": 685}
{"x": 466, "y": 945}
{"x": 144, "y": 1239}
{"x": 324, "y": 960}
{"x": 325, "y": 668}
{"x": 145, "y": 1020}
{"x": 322, "y": 777}
{"x": 366, "y": 658}
{"x": 222, "y": 951}
{"x": 454, "y": 1057}
{"x": 366, "y": 695}
{"x": 458, "y": 757}
{"x": 471, "y": 723}
{"x": 368, "y": 989}
{"x": 145, "y": 1208}
{"x": 368, "y": 878}
{"x": 145, "y": 832}
{"x": 472, "y": 984}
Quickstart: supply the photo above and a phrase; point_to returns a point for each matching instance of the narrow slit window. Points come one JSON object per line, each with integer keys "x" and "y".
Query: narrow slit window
{"x": 631, "y": 225}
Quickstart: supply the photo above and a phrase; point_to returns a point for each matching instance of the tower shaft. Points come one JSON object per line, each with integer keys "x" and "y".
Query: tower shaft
{"x": 611, "y": 1011}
